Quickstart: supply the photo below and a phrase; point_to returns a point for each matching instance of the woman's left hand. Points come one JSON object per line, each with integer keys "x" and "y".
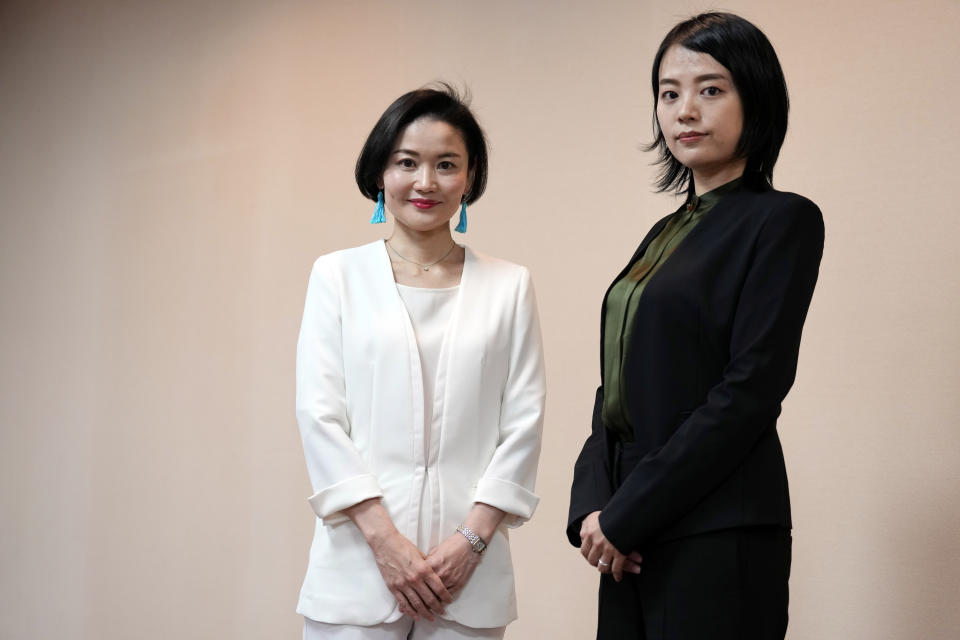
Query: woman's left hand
{"x": 454, "y": 561}
{"x": 600, "y": 553}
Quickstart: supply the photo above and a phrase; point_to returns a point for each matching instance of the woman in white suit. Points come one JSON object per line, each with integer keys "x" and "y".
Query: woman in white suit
{"x": 420, "y": 394}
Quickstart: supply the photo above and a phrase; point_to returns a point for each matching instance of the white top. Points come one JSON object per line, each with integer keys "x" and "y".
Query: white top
{"x": 430, "y": 311}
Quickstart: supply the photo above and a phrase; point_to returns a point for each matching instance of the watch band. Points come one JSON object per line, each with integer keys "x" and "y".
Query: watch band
{"x": 476, "y": 542}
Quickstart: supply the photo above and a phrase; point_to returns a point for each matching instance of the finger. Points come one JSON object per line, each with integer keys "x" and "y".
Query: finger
{"x": 428, "y": 598}
{"x": 595, "y": 554}
{"x": 616, "y": 568}
{"x": 419, "y": 582}
{"x": 405, "y": 607}
{"x": 603, "y": 565}
{"x": 417, "y": 603}
{"x": 631, "y": 567}
{"x": 585, "y": 546}
{"x": 439, "y": 589}
{"x": 635, "y": 557}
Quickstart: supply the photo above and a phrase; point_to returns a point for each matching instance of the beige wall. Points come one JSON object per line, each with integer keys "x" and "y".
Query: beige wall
{"x": 168, "y": 173}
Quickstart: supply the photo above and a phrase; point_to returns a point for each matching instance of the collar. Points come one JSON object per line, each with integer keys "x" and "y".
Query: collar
{"x": 710, "y": 198}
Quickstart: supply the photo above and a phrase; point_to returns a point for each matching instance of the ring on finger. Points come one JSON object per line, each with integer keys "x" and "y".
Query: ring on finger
{"x": 602, "y": 563}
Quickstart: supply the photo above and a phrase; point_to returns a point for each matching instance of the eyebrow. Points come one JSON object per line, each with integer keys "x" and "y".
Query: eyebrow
{"x": 411, "y": 152}
{"x": 698, "y": 79}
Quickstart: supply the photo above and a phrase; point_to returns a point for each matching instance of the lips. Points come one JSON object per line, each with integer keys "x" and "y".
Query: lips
{"x": 423, "y": 203}
{"x": 691, "y": 136}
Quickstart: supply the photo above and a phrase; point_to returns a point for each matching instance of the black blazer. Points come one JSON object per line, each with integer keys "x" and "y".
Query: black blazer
{"x": 712, "y": 354}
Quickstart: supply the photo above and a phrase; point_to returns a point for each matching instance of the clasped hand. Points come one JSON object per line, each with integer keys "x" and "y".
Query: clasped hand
{"x": 454, "y": 561}
{"x": 423, "y": 585}
{"x": 600, "y": 553}
{"x": 413, "y": 582}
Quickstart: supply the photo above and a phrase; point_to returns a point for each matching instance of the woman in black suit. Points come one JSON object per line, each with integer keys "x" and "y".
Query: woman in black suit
{"x": 682, "y": 475}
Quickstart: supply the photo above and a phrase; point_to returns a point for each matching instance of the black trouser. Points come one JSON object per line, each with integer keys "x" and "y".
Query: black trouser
{"x": 729, "y": 584}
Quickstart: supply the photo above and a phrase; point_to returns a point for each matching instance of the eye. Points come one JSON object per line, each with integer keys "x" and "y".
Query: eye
{"x": 406, "y": 163}
{"x": 446, "y": 165}
{"x": 712, "y": 91}
{"x": 668, "y": 95}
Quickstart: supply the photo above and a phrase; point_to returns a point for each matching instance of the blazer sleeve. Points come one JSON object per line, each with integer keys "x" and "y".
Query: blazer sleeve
{"x": 764, "y": 345}
{"x": 591, "y": 476}
{"x": 508, "y": 481}
{"x": 338, "y": 474}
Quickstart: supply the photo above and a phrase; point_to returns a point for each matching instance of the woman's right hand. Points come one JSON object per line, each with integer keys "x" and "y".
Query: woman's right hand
{"x": 417, "y": 588}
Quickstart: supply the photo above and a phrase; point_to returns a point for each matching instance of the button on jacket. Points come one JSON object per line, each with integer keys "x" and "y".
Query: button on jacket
{"x": 360, "y": 410}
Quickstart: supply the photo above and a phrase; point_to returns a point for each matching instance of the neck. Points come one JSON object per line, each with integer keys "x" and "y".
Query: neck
{"x": 708, "y": 179}
{"x": 421, "y": 246}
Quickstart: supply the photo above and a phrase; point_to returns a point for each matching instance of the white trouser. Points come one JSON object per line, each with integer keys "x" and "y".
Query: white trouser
{"x": 403, "y": 629}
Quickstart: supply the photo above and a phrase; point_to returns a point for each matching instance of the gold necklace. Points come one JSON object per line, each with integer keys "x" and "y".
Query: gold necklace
{"x": 426, "y": 267}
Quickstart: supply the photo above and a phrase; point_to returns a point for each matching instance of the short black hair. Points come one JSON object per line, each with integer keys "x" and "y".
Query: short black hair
{"x": 443, "y": 104}
{"x": 743, "y": 49}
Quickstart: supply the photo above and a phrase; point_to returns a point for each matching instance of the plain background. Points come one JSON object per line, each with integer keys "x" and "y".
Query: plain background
{"x": 170, "y": 170}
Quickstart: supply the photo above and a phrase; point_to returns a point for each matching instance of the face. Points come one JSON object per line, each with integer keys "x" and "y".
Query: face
{"x": 701, "y": 116}
{"x": 426, "y": 175}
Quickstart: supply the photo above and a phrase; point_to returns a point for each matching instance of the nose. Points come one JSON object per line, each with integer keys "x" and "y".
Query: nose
{"x": 426, "y": 179}
{"x": 687, "y": 108}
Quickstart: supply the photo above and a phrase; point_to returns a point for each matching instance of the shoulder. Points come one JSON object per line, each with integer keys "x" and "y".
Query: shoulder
{"x": 772, "y": 209}
{"x": 345, "y": 258}
{"x": 773, "y": 201}
{"x": 498, "y": 268}
{"x": 334, "y": 272}
{"x": 783, "y": 200}
{"x": 495, "y": 279}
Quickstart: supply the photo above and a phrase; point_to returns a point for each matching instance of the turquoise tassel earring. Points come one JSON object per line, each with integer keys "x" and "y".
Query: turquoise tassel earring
{"x": 378, "y": 216}
{"x": 462, "y": 225}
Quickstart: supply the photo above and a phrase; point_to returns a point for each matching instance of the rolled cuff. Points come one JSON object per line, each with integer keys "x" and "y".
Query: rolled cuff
{"x": 328, "y": 503}
{"x": 518, "y": 502}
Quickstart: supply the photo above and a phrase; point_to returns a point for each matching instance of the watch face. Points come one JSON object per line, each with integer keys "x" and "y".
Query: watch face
{"x": 480, "y": 545}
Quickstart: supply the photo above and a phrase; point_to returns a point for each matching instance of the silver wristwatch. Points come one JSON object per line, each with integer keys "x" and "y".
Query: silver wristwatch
{"x": 476, "y": 542}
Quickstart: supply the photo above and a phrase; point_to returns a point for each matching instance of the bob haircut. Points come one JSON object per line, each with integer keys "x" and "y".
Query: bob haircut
{"x": 743, "y": 49}
{"x": 444, "y": 105}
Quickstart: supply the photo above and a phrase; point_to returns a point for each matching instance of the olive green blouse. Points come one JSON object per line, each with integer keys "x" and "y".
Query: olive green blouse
{"x": 624, "y": 296}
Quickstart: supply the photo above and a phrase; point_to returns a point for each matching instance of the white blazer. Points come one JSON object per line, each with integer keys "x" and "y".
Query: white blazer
{"x": 360, "y": 410}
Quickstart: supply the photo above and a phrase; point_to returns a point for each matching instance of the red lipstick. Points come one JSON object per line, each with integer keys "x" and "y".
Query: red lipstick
{"x": 423, "y": 203}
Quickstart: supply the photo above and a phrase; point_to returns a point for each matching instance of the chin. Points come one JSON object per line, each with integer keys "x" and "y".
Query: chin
{"x": 423, "y": 226}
